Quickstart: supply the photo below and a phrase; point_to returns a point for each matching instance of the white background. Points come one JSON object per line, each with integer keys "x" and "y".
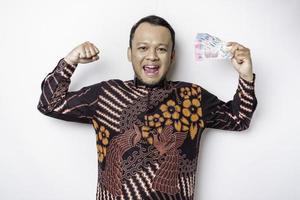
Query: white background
{"x": 43, "y": 158}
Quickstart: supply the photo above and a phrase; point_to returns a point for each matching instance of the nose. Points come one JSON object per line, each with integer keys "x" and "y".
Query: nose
{"x": 152, "y": 55}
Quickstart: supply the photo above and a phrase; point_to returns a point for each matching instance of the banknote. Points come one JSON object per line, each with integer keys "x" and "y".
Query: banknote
{"x": 210, "y": 47}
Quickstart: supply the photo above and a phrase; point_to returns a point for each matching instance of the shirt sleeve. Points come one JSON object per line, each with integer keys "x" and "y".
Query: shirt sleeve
{"x": 234, "y": 115}
{"x": 56, "y": 101}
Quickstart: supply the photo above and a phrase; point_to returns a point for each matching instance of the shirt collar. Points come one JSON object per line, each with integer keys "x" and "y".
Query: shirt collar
{"x": 161, "y": 84}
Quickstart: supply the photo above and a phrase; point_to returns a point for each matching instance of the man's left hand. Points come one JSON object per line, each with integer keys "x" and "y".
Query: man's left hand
{"x": 241, "y": 60}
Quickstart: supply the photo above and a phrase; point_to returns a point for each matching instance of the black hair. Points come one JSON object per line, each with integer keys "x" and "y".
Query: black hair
{"x": 155, "y": 20}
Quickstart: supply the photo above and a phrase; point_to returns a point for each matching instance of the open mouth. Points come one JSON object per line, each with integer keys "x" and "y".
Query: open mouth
{"x": 151, "y": 70}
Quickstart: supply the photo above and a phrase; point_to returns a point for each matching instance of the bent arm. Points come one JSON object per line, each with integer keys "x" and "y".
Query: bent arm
{"x": 56, "y": 101}
{"x": 234, "y": 115}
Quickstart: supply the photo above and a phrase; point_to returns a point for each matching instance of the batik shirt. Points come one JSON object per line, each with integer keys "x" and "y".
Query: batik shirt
{"x": 147, "y": 137}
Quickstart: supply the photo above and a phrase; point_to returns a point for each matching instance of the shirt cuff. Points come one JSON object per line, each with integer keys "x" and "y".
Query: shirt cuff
{"x": 247, "y": 87}
{"x": 65, "y": 69}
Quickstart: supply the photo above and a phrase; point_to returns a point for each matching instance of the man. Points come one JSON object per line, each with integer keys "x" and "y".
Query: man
{"x": 148, "y": 129}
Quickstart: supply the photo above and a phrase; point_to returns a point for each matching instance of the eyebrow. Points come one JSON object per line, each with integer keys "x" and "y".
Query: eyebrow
{"x": 147, "y": 43}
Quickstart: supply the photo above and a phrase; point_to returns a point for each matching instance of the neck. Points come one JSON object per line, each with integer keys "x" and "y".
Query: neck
{"x": 139, "y": 83}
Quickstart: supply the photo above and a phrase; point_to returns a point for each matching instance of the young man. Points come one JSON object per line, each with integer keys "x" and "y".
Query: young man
{"x": 148, "y": 129}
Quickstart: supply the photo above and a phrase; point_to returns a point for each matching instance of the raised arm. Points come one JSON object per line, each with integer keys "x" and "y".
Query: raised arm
{"x": 56, "y": 100}
{"x": 235, "y": 114}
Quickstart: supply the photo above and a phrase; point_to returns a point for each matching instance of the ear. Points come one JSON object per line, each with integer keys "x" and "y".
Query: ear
{"x": 129, "y": 54}
{"x": 173, "y": 57}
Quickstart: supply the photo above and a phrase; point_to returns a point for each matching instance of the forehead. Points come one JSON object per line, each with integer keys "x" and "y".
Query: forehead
{"x": 147, "y": 32}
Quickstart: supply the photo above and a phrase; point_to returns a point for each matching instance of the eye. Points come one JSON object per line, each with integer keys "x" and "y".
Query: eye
{"x": 142, "y": 48}
{"x": 162, "y": 49}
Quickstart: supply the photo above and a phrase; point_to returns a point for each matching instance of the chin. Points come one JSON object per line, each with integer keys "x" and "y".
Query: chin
{"x": 149, "y": 80}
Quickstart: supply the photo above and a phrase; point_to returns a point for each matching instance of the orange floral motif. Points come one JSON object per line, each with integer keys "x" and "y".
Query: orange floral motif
{"x": 188, "y": 92}
{"x": 185, "y": 117}
{"x": 185, "y": 92}
{"x": 152, "y": 121}
{"x": 193, "y": 111}
{"x": 156, "y": 121}
{"x": 102, "y": 140}
{"x": 171, "y": 113}
{"x": 195, "y": 89}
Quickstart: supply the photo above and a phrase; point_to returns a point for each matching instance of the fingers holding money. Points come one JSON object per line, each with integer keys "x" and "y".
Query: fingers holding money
{"x": 239, "y": 52}
{"x": 234, "y": 46}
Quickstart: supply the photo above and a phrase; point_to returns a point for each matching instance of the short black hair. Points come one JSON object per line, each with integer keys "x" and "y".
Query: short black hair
{"x": 155, "y": 20}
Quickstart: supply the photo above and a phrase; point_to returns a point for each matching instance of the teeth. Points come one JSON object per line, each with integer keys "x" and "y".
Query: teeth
{"x": 151, "y": 66}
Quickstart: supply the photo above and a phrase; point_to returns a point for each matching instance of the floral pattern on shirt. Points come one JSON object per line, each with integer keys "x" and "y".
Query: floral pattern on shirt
{"x": 185, "y": 116}
{"x": 102, "y": 138}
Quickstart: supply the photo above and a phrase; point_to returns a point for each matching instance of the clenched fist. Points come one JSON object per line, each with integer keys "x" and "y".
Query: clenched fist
{"x": 84, "y": 53}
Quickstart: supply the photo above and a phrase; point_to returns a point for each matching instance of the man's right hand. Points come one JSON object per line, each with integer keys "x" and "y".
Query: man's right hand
{"x": 84, "y": 53}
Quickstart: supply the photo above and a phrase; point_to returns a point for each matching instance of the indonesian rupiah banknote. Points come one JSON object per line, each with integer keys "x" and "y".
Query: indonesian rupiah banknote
{"x": 210, "y": 47}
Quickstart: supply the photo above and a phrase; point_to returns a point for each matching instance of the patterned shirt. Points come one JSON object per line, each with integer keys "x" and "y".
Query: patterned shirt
{"x": 147, "y": 137}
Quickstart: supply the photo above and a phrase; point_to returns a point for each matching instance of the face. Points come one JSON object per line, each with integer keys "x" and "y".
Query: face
{"x": 151, "y": 53}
